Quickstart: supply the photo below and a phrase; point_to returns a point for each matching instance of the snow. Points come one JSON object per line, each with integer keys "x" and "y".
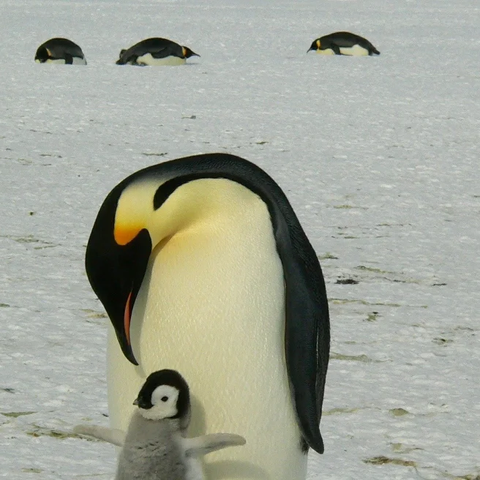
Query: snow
{"x": 379, "y": 157}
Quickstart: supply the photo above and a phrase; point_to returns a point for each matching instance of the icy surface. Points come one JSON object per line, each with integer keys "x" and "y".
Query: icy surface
{"x": 379, "y": 157}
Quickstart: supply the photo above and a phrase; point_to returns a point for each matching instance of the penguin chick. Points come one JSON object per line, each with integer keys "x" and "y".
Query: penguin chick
{"x": 155, "y": 446}
{"x": 155, "y": 52}
{"x": 343, "y": 43}
{"x": 61, "y": 51}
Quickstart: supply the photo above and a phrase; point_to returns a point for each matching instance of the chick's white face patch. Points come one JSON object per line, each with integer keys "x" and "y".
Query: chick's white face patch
{"x": 164, "y": 401}
{"x": 165, "y": 395}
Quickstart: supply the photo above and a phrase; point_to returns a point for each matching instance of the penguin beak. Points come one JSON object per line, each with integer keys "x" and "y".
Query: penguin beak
{"x": 187, "y": 53}
{"x": 141, "y": 403}
{"x": 116, "y": 274}
{"x": 127, "y": 317}
{"x": 314, "y": 46}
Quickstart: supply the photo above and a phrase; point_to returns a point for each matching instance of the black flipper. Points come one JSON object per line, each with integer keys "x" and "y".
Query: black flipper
{"x": 336, "y": 49}
{"x": 307, "y": 326}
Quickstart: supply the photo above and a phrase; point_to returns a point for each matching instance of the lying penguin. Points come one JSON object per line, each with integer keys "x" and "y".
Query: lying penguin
{"x": 154, "y": 446}
{"x": 155, "y": 52}
{"x": 61, "y": 51}
{"x": 343, "y": 43}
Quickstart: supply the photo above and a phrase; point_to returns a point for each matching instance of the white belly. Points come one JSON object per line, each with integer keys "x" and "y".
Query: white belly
{"x": 212, "y": 307}
{"x": 355, "y": 51}
{"x": 326, "y": 51}
{"x": 147, "y": 59}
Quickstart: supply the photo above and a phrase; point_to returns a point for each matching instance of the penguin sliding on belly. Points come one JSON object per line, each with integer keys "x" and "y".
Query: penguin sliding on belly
{"x": 343, "y": 43}
{"x": 61, "y": 51}
{"x": 155, "y": 52}
{"x": 203, "y": 267}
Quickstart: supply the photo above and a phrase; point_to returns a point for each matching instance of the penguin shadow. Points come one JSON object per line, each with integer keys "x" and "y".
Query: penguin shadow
{"x": 198, "y": 425}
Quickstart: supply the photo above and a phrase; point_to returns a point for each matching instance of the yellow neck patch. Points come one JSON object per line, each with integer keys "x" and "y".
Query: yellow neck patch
{"x": 134, "y": 208}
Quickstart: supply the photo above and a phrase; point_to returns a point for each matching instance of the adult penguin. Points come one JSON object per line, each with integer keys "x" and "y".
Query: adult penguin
{"x": 61, "y": 51}
{"x": 203, "y": 267}
{"x": 155, "y": 52}
{"x": 343, "y": 43}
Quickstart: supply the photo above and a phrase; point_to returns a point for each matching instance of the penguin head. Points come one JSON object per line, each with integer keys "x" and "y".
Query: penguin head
{"x": 121, "y": 57}
{"x": 156, "y": 210}
{"x": 187, "y": 53}
{"x": 315, "y": 45}
{"x": 43, "y": 54}
{"x": 143, "y": 213}
{"x": 165, "y": 394}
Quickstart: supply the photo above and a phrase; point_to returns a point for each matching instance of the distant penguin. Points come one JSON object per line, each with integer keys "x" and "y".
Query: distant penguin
{"x": 343, "y": 43}
{"x": 201, "y": 264}
{"x": 155, "y": 52}
{"x": 155, "y": 446}
{"x": 60, "y": 51}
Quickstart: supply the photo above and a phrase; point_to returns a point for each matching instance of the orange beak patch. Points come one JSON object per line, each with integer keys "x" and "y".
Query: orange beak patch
{"x": 125, "y": 235}
{"x": 127, "y": 315}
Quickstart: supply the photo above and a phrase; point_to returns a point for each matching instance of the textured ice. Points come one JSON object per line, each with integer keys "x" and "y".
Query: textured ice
{"x": 379, "y": 157}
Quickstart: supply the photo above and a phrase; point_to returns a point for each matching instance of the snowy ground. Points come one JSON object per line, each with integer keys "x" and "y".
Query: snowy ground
{"x": 379, "y": 157}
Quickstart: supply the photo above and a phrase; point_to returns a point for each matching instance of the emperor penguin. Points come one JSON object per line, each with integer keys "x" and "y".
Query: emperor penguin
{"x": 203, "y": 266}
{"x": 61, "y": 51}
{"x": 343, "y": 43}
{"x": 155, "y": 446}
{"x": 155, "y": 52}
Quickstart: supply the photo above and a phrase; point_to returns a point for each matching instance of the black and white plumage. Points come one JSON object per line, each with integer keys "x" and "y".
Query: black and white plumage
{"x": 60, "y": 51}
{"x": 343, "y": 43}
{"x": 155, "y": 446}
{"x": 202, "y": 265}
{"x": 155, "y": 52}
